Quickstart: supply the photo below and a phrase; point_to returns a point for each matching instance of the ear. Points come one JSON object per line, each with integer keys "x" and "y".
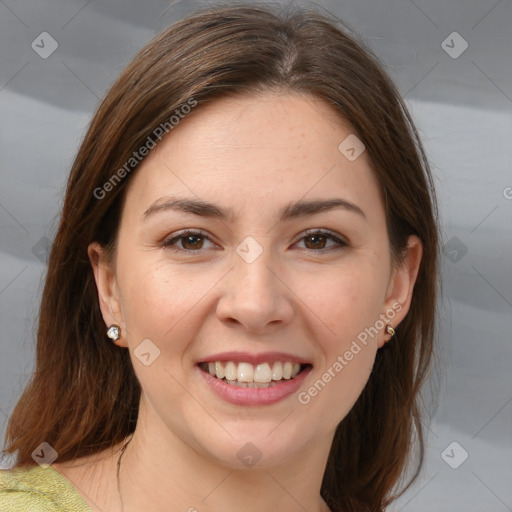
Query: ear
{"x": 401, "y": 285}
{"x": 108, "y": 291}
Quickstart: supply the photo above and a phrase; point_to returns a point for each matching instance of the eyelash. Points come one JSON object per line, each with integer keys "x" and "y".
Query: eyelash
{"x": 170, "y": 243}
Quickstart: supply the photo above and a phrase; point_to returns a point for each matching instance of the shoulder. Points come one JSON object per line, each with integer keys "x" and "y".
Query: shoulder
{"x": 38, "y": 489}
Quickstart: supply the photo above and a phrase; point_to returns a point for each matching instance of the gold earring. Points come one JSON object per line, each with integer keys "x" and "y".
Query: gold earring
{"x": 114, "y": 332}
{"x": 390, "y": 331}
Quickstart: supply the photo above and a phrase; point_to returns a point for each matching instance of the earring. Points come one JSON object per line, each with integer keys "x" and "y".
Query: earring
{"x": 390, "y": 331}
{"x": 114, "y": 332}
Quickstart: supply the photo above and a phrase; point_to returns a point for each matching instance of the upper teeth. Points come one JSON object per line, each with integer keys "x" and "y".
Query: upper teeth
{"x": 246, "y": 372}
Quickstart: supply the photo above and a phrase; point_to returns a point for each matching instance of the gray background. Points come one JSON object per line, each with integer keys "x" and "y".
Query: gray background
{"x": 463, "y": 107}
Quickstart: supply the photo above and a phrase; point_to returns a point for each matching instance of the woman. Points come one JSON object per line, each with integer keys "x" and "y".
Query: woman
{"x": 240, "y": 300}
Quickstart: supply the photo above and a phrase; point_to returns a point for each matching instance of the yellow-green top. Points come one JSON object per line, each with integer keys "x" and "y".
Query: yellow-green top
{"x": 38, "y": 489}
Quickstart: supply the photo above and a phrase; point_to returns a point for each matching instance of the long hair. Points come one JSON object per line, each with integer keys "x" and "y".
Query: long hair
{"x": 84, "y": 396}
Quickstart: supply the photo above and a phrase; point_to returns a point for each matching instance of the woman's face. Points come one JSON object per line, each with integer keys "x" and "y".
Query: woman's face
{"x": 288, "y": 262}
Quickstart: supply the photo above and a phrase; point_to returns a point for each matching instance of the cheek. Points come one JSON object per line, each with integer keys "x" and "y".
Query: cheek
{"x": 155, "y": 300}
{"x": 349, "y": 305}
{"x": 336, "y": 387}
{"x": 348, "y": 300}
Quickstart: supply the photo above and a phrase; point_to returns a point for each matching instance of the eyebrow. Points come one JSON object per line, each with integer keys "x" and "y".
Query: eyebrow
{"x": 293, "y": 210}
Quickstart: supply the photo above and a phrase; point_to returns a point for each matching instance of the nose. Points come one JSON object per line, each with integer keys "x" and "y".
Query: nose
{"x": 255, "y": 295}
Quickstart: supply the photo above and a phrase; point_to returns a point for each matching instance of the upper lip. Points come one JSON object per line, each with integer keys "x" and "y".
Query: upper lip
{"x": 254, "y": 359}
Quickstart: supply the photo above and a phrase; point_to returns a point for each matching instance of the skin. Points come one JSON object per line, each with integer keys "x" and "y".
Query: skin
{"x": 253, "y": 154}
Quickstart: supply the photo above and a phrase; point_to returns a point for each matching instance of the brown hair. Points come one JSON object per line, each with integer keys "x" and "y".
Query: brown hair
{"x": 84, "y": 395}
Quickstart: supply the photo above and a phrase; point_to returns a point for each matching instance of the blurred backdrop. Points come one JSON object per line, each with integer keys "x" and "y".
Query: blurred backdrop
{"x": 452, "y": 61}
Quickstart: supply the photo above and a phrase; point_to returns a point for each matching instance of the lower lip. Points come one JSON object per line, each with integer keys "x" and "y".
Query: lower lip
{"x": 254, "y": 396}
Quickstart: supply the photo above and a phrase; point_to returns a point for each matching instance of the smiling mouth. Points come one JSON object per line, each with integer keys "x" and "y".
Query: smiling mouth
{"x": 247, "y": 375}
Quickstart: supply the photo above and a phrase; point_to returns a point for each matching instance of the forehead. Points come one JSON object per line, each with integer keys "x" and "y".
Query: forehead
{"x": 255, "y": 151}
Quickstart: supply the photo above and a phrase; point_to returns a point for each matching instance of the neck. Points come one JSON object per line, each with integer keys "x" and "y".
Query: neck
{"x": 158, "y": 469}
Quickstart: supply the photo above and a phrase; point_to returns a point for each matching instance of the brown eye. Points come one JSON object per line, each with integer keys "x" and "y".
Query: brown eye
{"x": 317, "y": 241}
{"x": 190, "y": 241}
